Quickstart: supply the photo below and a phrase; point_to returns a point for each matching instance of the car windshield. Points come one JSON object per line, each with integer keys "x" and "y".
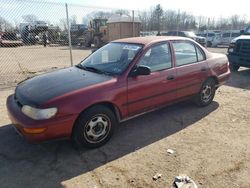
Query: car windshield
{"x": 113, "y": 58}
{"x": 190, "y": 34}
{"x": 247, "y": 31}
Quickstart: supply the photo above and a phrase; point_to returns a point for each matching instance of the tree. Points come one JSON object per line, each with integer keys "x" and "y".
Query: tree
{"x": 73, "y": 19}
{"x": 122, "y": 12}
{"x": 5, "y": 26}
{"x": 158, "y": 12}
{"x": 96, "y": 14}
{"x": 63, "y": 24}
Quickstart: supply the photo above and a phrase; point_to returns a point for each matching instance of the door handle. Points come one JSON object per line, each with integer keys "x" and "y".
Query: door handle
{"x": 203, "y": 69}
{"x": 170, "y": 77}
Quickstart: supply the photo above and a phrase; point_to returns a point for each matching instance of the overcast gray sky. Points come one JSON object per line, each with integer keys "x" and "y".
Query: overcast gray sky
{"x": 215, "y": 8}
{"x": 53, "y": 11}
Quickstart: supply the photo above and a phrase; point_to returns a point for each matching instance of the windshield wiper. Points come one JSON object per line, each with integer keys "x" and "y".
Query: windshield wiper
{"x": 92, "y": 69}
{"x": 79, "y": 66}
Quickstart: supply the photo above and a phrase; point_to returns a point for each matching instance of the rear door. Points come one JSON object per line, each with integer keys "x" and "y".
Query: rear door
{"x": 191, "y": 67}
{"x": 146, "y": 92}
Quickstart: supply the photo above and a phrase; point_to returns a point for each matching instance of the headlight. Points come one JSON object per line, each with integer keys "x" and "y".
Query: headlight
{"x": 231, "y": 47}
{"x": 39, "y": 114}
{"x": 230, "y": 50}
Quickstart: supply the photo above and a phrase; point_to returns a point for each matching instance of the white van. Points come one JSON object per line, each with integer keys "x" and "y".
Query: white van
{"x": 227, "y": 37}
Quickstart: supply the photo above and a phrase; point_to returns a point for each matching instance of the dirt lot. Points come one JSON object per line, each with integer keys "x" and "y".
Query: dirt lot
{"x": 19, "y": 63}
{"x": 211, "y": 144}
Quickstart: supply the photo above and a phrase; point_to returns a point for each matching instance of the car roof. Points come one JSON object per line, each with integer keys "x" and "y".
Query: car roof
{"x": 149, "y": 39}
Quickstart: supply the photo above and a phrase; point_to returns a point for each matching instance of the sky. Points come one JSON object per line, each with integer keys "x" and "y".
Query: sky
{"x": 54, "y": 10}
{"x": 213, "y": 8}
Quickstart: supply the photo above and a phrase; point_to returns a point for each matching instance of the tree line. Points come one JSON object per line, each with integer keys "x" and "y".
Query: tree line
{"x": 158, "y": 19}
{"x": 153, "y": 19}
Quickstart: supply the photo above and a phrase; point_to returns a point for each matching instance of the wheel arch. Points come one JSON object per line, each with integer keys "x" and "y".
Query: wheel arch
{"x": 114, "y": 108}
{"x": 215, "y": 79}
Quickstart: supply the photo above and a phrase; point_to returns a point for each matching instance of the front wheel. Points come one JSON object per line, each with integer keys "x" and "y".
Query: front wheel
{"x": 206, "y": 94}
{"x": 94, "y": 127}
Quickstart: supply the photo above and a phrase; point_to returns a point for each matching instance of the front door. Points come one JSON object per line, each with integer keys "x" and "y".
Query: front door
{"x": 146, "y": 92}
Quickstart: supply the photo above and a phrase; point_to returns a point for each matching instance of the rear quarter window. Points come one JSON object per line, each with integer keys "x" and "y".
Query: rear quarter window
{"x": 187, "y": 53}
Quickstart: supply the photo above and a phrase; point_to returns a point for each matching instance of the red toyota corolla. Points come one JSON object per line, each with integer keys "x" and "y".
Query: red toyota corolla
{"x": 123, "y": 79}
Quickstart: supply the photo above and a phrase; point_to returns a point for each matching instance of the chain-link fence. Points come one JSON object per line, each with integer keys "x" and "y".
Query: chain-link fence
{"x": 35, "y": 36}
{"x": 38, "y": 36}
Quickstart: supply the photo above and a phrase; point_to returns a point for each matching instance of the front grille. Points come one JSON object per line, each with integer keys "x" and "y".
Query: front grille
{"x": 243, "y": 47}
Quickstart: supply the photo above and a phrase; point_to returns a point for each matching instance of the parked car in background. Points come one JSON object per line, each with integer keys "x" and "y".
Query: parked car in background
{"x": 227, "y": 37}
{"x": 39, "y": 26}
{"x": 148, "y": 33}
{"x": 188, "y": 34}
{"x": 9, "y": 39}
{"x": 213, "y": 39}
{"x": 121, "y": 80}
{"x": 239, "y": 51}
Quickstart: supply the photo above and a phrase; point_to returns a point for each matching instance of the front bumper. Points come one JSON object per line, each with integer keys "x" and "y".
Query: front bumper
{"x": 58, "y": 127}
{"x": 239, "y": 60}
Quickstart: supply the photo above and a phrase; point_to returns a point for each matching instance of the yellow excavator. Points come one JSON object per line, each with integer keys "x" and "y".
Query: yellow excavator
{"x": 97, "y": 33}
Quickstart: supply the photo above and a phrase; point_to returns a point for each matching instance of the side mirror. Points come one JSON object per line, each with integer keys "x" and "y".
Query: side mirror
{"x": 140, "y": 70}
{"x": 242, "y": 32}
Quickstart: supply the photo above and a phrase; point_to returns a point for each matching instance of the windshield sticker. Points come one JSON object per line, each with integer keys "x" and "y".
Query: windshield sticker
{"x": 131, "y": 47}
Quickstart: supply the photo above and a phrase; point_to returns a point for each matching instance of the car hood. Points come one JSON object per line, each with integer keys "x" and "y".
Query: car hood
{"x": 40, "y": 89}
{"x": 247, "y": 37}
{"x": 198, "y": 37}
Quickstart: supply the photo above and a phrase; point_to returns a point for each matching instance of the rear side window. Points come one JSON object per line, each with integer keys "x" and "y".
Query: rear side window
{"x": 200, "y": 54}
{"x": 187, "y": 53}
{"x": 226, "y": 35}
{"x": 182, "y": 34}
{"x": 235, "y": 34}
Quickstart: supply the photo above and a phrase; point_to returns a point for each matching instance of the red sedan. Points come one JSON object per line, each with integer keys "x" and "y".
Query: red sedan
{"x": 121, "y": 80}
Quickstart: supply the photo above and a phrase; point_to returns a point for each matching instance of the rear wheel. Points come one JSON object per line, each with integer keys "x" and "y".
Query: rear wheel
{"x": 234, "y": 68}
{"x": 206, "y": 94}
{"x": 94, "y": 127}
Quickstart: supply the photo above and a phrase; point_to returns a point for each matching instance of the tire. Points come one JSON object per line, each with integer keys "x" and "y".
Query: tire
{"x": 209, "y": 44}
{"x": 206, "y": 94}
{"x": 234, "y": 68}
{"x": 87, "y": 43}
{"x": 97, "y": 42}
{"x": 94, "y": 127}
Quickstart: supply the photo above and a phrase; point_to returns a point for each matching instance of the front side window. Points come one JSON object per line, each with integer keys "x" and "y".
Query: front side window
{"x": 157, "y": 58}
{"x": 186, "y": 53}
{"x": 113, "y": 58}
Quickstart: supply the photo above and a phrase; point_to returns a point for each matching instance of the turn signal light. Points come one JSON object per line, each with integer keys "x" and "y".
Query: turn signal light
{"x": 34, "y": 130}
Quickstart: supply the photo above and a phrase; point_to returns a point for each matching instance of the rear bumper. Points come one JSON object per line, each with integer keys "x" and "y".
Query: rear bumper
{"x": 238, "y": 60}
{"x": 59, "y": 127}
{"x": 222, "y": 79}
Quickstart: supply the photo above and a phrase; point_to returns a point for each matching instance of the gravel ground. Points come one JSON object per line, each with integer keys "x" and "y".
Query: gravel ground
{"x": 211, "y": 144}
{"x": 19, "y": 63}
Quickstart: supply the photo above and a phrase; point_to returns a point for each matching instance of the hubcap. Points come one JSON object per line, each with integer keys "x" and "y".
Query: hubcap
{"x": 97, "y": 128}
{"x": 206, "y": 93}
